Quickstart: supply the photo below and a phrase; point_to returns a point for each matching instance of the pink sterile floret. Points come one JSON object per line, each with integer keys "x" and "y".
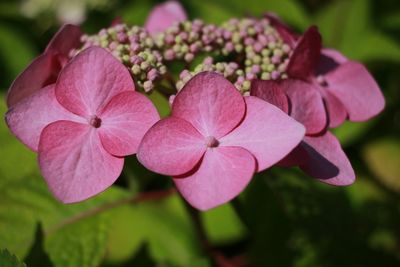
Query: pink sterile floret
{"x": 216, "y": 139}
{"x": 44, "y": 69}
{"x": 84, "y": 124}
{"x": 164, "y": 15}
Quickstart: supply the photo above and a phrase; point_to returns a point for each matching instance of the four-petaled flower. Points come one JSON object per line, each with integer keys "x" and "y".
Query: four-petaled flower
{"x": 84, "y": 125}
{"x": 323, "y": 89}
{"x": 216, "y": 139}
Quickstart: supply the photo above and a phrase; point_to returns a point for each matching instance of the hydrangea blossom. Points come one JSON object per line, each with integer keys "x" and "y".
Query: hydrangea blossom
{"x": 77, "y": 107}
{"x": 215, "y": 141}
{"x": 84, "y": 125}
{"x": 323, "y": 89}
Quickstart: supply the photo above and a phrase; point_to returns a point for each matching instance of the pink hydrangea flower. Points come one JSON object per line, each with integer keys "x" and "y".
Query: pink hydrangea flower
{"x": 83, "y": 125}
{"x": 346, "y": 88}
{"x": 321, "y": 155}
{"x": 44, "y": 69}
{"x": 165, "y": 15}
{"x": 216, "y": 139}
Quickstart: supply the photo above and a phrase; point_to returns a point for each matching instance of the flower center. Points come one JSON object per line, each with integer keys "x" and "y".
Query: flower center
{"x": 322, "y": 81}
{"x": 95, "y": 121}
{"x": 211, "y": 141}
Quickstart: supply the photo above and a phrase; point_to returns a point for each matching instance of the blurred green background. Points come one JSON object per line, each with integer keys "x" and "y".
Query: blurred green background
{"x": 282, "y": 219}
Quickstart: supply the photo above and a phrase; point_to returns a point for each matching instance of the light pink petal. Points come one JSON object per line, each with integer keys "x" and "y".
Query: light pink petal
{"x": 222, "y": 175}
{"x": 337, "y": 113}
{"x": 326, "y": 160}
{"x": 124, "y": 121}
{"x": 171, "y": 147}
{"x": 27, "y": 119}
{"x": 306, "y": 103}
{"x": 90, "y": 80}
{"x": 67, "y": 38}
{"x": 74, "y": 162}
{"x": 334, "y": 54}
{"x": 164, "y": 16}
{"x": 357, "y": 90}
{"x": 266, "y": 131}
{"x": 41, "y": 72}
{"x": 270, "y": 91}
{"x": 306, "y": 55}
{"x": 210, "y": 103}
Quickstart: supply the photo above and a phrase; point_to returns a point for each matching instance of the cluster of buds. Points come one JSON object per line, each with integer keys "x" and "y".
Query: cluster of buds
{"x": 265, "y": 54}
{"x": 185, "y": 40}
{"x": 134, "y": 47}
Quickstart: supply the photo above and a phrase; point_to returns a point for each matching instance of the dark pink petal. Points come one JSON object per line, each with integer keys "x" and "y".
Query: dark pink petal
{"x": 90, "y": 80}
{"x": 286, "y": 33}
{"x": 222, "y": 175}
{"x": 28, "y": 117}
{"x": 267, "y": 132}
{"x": 210, "y": 103}
{"x": 74, "y": 162}
{"x": 337, "y": 113}
{"x": 44, "y": 69}
{"x": 306, "y": 55}
{"x": 41, "y": 72}
{"x": 357, "y": 90}
{"x": 171, "y": 147}
{"x": 326, "y": 160}
{"x": 306, "y": 103}
{"x": 270, "y": 91}
{"x": 124, "y": 121}
{"x": 67, "y": 38}
{"x": 164, "y": 16}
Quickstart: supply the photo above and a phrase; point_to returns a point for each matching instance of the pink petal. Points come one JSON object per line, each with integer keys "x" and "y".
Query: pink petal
{"x": 307, "y": 106}
{"x": 74, "y": 162}
{"x": 306, "y": 54}
{"x": 27, "y": 119}
{"x": 326, "y": 160}
{"x": 222, "y": 175}
{"x": 337, "y": 113}
{"x": 210, "y": 103}
{"x": 334, "y": 54}
{"x": 357, "y": 90}
{"x": 267, "y": 132}
{"x": 90, "y": 80}
{"x": 124, "y": 121}
{"x": 171, "y": 147}
{"x": 67, "y": 38}
{"x": 44, "y": 69}
{"x": 41, "y": 72}
{"x": 271, "y": 92}
{"x": 164, "y": 16}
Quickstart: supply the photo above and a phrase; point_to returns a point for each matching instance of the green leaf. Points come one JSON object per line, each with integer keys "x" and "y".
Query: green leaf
{"x": 346, "y": 26}
{"x": 75, "y": 235}
{"x": 9, "y": 260}
{"x": 16, "y": 50}
{"x": 169, "y": 232}
{"x": 383, "y": 159}
{"x": 222, "y": 225}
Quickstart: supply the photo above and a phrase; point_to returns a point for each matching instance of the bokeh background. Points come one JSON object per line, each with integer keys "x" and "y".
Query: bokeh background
{"x": 282, "y": 219}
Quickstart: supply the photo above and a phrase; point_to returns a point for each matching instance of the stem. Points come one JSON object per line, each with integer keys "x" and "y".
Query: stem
{"x": 142, "y": 197}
